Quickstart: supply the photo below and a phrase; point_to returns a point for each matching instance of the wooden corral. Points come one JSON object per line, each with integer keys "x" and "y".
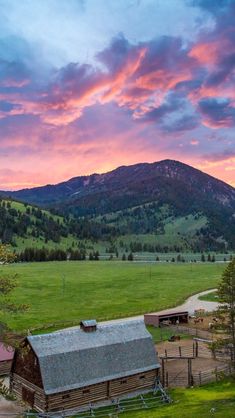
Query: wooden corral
{"x": 72, "y": 368}
{"x": 6, "y": 356}
{"x": 167, "y": 317}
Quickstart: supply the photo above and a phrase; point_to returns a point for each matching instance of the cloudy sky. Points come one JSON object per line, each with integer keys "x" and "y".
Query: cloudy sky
{"x": 89, "y": 85}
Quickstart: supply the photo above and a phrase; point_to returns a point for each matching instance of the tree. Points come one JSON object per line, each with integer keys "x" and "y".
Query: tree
{"x": 130, "y": 257}
{"x": 7, "y": 284}
{"x": 226, "y": 294}
{"x": 6, "y": 255}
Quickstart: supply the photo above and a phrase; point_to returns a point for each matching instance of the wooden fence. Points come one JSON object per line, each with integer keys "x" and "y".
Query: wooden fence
{"x": 195, "y": 332}
{"x": 185, "y": 375}
{"x": 197, "y": 349}
{"x": 184, "y": 379}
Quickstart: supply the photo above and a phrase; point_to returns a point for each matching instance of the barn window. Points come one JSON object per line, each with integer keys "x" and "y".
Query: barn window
{"x": 86, "y": 391}
{"x": 142, "y": 377}
{"x": 66, "y": 396}
{"x": 123, "y": 382}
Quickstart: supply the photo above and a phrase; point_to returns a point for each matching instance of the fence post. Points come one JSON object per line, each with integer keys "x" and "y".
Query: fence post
{"x": 200, "y": 378}
{"x": 180, "y": 351}
{"x": 190, "y": 377}
{"x": 163, "y": 372}
{"x": 196, "y": 353}
{"x": 166, "y": 353}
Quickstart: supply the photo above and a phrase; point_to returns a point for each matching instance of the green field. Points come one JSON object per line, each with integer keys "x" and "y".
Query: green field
{"x": 69, "y": 291}
{"x": 211, "y": 297}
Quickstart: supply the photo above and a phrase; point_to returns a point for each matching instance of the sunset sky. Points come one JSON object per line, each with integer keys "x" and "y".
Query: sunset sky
{"x": 89, "y": 85}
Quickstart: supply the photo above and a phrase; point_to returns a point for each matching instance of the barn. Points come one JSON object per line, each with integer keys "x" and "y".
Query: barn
{"x": 75, "y": 367}
{"x": 6, "y": 356}
{"x": 169, "y": 316}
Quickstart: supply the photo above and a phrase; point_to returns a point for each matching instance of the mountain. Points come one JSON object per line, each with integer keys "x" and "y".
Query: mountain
{"x": 145, "y": 198}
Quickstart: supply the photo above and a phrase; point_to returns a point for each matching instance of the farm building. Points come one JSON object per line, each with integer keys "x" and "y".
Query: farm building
{"x": 79, "y": 366}
{"x": 166, "y": 317}
{"x": 6, "y": 356}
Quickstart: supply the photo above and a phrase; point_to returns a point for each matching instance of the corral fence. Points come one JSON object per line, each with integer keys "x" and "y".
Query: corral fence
{"x": 186, "y": 378}
{"x": 195, "y": 332}
{"x": 185, "y": 375}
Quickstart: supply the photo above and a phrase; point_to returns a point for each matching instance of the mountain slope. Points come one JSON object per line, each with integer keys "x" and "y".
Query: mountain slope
{"x": 156, "y": 192}
{"x": 140, "y": 181}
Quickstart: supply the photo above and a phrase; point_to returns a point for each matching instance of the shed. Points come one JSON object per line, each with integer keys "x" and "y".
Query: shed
{"x": 171, "y": 316}
{"x": 6, "y": 357}
{"x": 72, "y": 368}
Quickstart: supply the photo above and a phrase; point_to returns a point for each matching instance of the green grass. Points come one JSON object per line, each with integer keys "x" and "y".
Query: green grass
{"x": 163, "y": 334}
{"x": 211, "y": 297}
{"x": 195, "y": 403}
{"x": 70, "y": 291}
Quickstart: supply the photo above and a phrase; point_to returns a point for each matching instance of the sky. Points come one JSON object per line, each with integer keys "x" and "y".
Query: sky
{"x": 90, "y": 85}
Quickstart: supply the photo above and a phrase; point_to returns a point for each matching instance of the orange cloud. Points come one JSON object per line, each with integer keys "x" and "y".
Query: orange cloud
{"x": 208, "y": 53}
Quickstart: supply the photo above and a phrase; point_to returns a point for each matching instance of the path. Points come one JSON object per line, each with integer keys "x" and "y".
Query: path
{"x": 190, "y": 305}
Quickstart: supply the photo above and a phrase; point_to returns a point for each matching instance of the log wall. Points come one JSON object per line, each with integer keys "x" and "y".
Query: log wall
{"x": 17, "y": 385}
{"x": 101, "y": 391}
{"x": 5, "y": 367}
{"x": 145, "y": 380}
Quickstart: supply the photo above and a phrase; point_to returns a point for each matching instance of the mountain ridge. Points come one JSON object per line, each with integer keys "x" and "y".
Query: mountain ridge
{"x": 96, "y": 178}
{"x": 143, "y": 198}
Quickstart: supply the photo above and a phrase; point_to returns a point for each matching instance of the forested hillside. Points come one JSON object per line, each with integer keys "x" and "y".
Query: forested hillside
{"x": 177, "y": 204}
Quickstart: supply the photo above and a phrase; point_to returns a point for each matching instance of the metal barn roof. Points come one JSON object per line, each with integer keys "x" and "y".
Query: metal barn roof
{"x": 71, "y": 358}
{"x": 89, "y": 323}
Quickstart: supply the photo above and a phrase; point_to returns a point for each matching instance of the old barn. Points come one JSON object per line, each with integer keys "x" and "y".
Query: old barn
{"x": 75, "y": 367}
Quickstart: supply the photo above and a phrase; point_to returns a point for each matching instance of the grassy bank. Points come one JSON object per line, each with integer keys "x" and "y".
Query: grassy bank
{"x": 70, "y": 291}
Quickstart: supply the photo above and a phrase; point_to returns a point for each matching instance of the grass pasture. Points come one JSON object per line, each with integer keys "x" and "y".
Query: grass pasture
{"x": 212, "y": 400}
{"x": 70, "y": 291}
{"x": 211, "y": 297}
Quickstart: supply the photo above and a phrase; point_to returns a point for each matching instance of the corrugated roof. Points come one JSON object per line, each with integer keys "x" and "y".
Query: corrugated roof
{"x": 89, "y": 323}
{"x": 72, "y": 358}
{"x": 167, "y": 312}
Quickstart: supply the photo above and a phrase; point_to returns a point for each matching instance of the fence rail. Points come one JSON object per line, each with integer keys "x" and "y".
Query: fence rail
{"x": 196, "y": 332}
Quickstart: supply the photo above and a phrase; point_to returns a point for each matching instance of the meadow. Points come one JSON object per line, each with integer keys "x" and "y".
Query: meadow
{"x": 66, "y": 292}
{"x": 215, "y": 399}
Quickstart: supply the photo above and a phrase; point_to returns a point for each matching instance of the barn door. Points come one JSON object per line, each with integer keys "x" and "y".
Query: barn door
{"x": 28, "y": 396}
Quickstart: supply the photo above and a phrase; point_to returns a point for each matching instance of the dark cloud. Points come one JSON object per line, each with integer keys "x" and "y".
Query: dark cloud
{"x": 213, "y": 6}
{"x": 217, "y": 112}
{"x": 184, "y": 123}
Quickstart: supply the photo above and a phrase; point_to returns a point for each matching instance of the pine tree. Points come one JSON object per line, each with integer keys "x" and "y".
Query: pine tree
{"x": 226, "y": 293}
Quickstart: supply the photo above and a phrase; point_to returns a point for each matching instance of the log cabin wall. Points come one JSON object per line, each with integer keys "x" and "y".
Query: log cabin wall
{"x": 5, "y": 367}
{"x": 75, "y": 398}
{"x": 101, "y": 391}
{"x": 138, "y": 381}
{"x": 19, "y": 385}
